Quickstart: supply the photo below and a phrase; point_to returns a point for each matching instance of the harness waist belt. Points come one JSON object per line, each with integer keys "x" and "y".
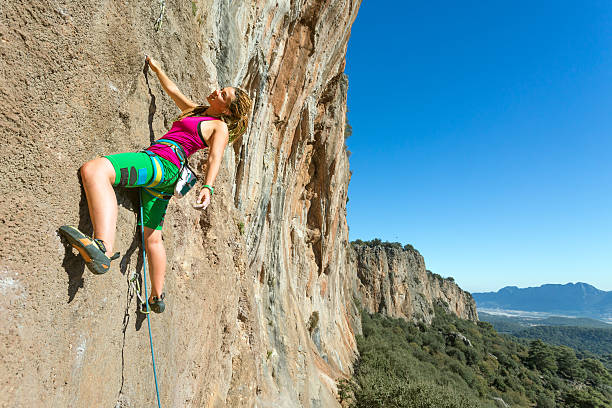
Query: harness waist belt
{"x": 176, "y": 148}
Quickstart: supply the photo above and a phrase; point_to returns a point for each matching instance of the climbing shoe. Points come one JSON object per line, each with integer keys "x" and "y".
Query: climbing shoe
{"x": 92, "y": 250}
{"x": 156, "y": 304}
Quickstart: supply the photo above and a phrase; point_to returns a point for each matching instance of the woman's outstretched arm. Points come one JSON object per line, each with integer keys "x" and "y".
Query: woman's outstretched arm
{"x": 170, "y": 87}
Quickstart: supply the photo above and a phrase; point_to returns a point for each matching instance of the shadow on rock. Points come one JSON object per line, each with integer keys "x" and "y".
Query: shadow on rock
{"x": 134, "y": 279}
{"x": 152, "y": 106}
{"x": 74, "y": 264}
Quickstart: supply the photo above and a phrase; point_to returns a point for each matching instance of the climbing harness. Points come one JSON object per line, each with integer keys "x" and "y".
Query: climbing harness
{"x": 146, "y": 302}
{"x": 186, "y": 179}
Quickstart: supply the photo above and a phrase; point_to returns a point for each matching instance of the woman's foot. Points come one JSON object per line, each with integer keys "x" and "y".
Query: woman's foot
{"x": 109, "y": 254}
{"x": 156, "y": 304}
{"x": 92, "y": 250}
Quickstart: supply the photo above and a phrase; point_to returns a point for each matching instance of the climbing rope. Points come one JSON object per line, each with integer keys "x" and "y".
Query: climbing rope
{"x": 146, "y": 296}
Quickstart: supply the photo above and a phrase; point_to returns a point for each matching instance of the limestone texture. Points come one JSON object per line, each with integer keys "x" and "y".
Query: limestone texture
{"x": 245, "y": 276}
{"x": 394, "y": 281}
{"x": 262, "y": 289}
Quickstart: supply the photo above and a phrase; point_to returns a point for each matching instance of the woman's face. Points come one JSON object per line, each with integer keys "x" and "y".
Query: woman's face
{"x": 221, "y": 98}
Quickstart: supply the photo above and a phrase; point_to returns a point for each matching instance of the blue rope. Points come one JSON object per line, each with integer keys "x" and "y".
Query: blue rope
{"x": 144, "y": 256}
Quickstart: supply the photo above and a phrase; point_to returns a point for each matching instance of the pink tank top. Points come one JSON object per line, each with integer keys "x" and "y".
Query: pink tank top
{"x": 185, "y": 132}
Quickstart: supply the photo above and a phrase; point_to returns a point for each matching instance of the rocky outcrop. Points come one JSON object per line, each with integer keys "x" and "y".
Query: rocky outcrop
{"x": 260, "y": 309}
{"x": 394, "y": 281}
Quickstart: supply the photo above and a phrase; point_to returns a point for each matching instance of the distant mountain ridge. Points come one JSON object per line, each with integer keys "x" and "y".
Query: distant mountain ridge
{"x": 574, "y": 299}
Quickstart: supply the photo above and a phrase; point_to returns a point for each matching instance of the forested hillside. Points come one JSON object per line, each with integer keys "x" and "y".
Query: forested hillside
{"x": 511, "y": 323}
{"x": 455, "y": 363}
{"x": 598, "y": 341}
{"x": 589, "y": 338}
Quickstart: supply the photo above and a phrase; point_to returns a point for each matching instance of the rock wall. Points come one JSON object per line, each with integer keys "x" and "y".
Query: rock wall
{"x": 394, "y": 281}
{"x": 260, "y": 309}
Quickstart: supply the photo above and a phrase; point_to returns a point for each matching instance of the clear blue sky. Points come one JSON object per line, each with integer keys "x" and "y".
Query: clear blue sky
{"x": 482, "y": 135}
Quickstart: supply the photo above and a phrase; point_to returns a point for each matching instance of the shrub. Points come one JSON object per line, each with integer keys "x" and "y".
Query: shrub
{"x": 406, "y": 365}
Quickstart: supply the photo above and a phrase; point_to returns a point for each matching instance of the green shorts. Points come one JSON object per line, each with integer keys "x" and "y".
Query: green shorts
{"x": 157, "y": 177}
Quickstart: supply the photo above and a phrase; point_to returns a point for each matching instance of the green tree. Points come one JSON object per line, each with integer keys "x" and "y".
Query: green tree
{"x": 541, "y": 356}
{"x": 545, "y": 400}
{"x": 582, "y": 399}
{"x": 595, "y": 372}
{"x": 568, "y": 365}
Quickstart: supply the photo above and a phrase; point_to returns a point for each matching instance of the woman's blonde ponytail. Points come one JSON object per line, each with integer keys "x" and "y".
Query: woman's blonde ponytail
{"x": 238, "y": 118}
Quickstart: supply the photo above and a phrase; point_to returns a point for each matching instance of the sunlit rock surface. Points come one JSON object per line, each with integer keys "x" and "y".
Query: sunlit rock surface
{"x": 394, "y": 281}
{"x": 259, "y": 305}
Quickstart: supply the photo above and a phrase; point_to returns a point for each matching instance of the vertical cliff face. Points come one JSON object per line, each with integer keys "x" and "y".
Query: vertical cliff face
{"x": 394, "y": 281}
{"x": 259, "y": 297}
{"x": 291, "y": 185}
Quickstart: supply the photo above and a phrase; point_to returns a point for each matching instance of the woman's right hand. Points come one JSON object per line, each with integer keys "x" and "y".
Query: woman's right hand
{"x": 153, "y": 64}
{"x": 203, "y": 199}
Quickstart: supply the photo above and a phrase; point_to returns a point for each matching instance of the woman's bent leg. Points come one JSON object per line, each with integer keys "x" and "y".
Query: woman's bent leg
{"x": 98, "y": 177}
{"x": 156, "y": 256}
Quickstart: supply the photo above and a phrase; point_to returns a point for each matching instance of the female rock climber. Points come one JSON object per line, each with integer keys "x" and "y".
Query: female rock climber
{"x": 156, "y": 171}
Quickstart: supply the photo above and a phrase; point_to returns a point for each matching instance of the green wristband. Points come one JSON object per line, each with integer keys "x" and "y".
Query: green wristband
{"x": 212, "y": 190}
